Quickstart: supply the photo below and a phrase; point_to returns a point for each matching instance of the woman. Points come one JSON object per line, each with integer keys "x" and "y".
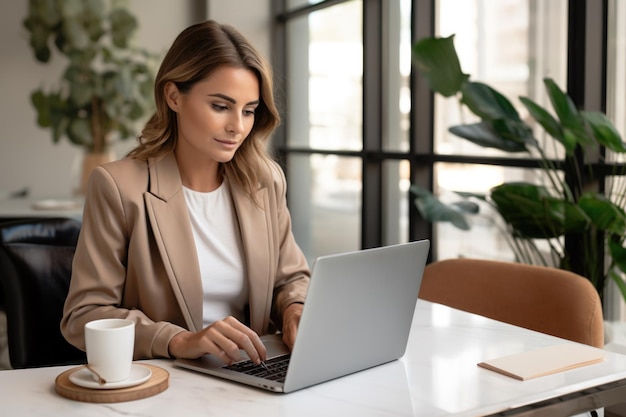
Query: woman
{"x": 189, "y": 236}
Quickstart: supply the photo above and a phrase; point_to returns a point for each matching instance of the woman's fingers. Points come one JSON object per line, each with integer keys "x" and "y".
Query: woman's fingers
{"x": 224, "y": 339}
{"x": 291, "y": 321}
{"x": 220, "y": 344}
{"x": 229, "y": 336}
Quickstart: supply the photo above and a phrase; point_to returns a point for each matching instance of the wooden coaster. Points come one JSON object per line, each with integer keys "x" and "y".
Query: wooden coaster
{"x": 158, "y": 382}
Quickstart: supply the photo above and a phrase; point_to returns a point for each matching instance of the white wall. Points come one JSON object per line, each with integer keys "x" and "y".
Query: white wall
{"x": 250, "y": 17}
{"x": 28, "y": 158}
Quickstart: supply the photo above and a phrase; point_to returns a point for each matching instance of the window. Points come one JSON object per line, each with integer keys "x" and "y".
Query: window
{"x": 360, "y": 128}
{"x": 511, "y": 45}
{"x": 345, "y": 144}
{"x": 324, "y": 93}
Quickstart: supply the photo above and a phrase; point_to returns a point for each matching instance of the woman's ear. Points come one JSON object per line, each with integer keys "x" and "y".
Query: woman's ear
{"x": 172, "y": 96}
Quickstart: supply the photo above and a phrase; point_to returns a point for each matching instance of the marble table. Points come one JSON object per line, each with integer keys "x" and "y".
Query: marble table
{"x": 438, "y": 376}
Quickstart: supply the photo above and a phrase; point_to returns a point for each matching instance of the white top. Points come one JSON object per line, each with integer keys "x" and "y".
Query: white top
{"x": 217, "y": 238}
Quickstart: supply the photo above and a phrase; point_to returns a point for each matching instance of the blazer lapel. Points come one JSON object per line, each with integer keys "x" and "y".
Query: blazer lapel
{"x": 257, "y": 251}
{"x": 169, "y": 219}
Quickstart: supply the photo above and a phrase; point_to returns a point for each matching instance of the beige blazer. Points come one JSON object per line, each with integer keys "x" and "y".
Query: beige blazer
{"x": 136, "y": 256}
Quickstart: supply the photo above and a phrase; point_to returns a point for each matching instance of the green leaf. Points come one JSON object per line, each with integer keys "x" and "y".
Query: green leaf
{"x": 40, "y": 102}
{"x": 140, "y": 69}
{"x": 436, "y": 59}
{"x": 39, "y": 36}
{"x": 512, "y": 130}
{"x": 82, "y": 57}
{"x": 433, "y": 210}
{"x": 127, "y": 129}
{"x": 43, "y": 54}
{"x": 61, "y": 42}
{"x": 75, "y": 34}
{"x": 466, "y": 207}
{"x": 146, "y": 87}
{"x": 532, "y": 212}
{"x": 501, "y": 127}
{"x": 113, "y": 107}
{"x": 80, "y": 85}
{"x": 124, "y": 83}
{"x": 483, "y": 134}
{"x": 79, "y": 132}
{"x": 619, "y": 281}
{"x": 618, "y": 253}
{"x": 604, "y": 214}
{"x": 95, "y": 15}
{"x": 562, "y": 103}
{"x": 95, "y": 9}
{"x": 466, "y": 194}
{"x": 571, "y": 120}
{"x": 60, "y": 129}
{"x": 487, "y": 103}
{"x": 46, "y": 11}
{"x": 30, "y": 23}
{"x": 72, "y": 8}
{"x": 605, "y": 133}
{"x": 135, "y": 112}
{"x": 549, "y": 124}
{"x": 123, "y": 25}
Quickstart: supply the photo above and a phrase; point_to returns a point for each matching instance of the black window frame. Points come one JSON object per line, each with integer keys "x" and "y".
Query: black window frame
{"x": 586, "y": 84}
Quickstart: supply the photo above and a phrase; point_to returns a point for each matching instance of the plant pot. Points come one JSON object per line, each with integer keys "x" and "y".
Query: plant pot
{"x": 91, "y": 161}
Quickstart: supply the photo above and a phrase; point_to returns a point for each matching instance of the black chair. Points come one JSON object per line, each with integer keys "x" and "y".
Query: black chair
{"x": 35, "y": 269}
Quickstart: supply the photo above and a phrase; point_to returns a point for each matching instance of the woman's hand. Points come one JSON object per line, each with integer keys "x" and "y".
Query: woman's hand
{"x": 223, "y": 339}
{"x": 291, "y": 321}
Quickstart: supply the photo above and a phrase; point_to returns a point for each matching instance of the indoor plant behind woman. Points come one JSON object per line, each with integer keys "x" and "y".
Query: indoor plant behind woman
{"x": 106, "y": 87}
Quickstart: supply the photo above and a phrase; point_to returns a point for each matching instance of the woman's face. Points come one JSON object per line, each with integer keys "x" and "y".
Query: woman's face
{"x": 216, "y": 115}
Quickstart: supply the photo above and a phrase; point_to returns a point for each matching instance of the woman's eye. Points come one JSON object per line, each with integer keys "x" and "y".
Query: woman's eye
{"x": 249, "y": 112}
{"x": 219, "y": 107}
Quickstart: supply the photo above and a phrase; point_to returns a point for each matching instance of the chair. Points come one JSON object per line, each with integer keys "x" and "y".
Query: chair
{"x": 549, "y": 300}
{"x": 35, "y": 268}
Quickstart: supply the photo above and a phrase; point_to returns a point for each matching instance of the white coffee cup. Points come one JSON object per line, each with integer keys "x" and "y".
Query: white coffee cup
{"x": 109, "y": 344}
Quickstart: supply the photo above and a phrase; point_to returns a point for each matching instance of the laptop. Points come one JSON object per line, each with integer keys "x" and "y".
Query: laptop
{"x": 357, "y": 315}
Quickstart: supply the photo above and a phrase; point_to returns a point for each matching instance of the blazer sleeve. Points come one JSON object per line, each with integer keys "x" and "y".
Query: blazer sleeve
{"x": 293, "y": 274}
{"x": 99, "y": 273}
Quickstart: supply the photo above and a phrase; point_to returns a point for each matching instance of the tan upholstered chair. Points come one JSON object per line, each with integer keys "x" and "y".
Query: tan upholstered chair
{"x": 548, "y": 300}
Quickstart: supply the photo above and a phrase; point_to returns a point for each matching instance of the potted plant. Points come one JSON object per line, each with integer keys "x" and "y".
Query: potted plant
{"x": 552, "y": 208}
{"x": 107, "y": 84}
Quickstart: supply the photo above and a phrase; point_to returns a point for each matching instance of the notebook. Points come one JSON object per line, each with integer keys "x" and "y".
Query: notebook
{"x": 545, "y": 361}
{"x": 357, "y": 315}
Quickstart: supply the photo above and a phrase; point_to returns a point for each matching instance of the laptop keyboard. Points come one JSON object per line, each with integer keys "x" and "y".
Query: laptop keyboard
{"x": 275, "y": 369}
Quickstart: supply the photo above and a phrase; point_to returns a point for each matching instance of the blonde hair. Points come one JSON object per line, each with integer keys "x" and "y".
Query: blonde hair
{"x": 195, "y": 54}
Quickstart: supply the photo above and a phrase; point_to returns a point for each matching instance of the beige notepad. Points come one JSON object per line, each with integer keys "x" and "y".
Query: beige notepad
{"x": 544, "y": 361}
